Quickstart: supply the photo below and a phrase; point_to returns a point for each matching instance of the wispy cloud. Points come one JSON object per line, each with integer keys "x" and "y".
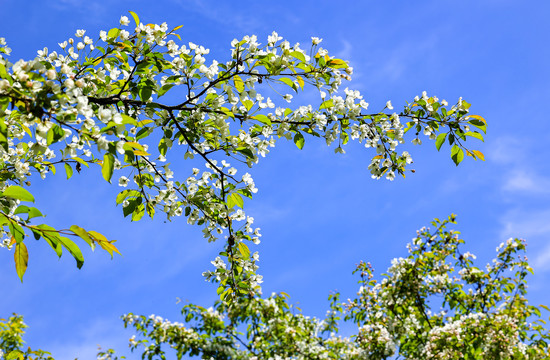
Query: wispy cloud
{"x": 226, "y": 14}
{"x": 346, "y": 52}
{"x": 522, "y": 180}
{"x": 518, "y": 166}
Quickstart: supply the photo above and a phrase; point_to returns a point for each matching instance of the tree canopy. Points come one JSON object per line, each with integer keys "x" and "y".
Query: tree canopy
{"x": 131, "y": 101}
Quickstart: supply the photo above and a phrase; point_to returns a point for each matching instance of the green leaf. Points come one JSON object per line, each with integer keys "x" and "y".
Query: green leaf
{"x": 113, "y": 33}
{"x": 129, "y": 120}
{"x": 34, "y": 212}
{"x": 131, "y": 207}
{"x": 21, "y": 256}
{"x": 475, "y": 135}
{"x": 235, "y": 199}
{"x": 245, "y": 151}
{"x": 55, "y": 134}
{"x": 145, "y": 93}
{"x": 163, "y": 148}
{"x": 150, "y": 209}
{"x": 327, "y": 104}
{"x": 73, "y": 250}
{"x": 17, "y": 192}
{"x": 125, "y": 194}
{"x": 108, "y": 166}
{"x": 136, "y": 18}
{"x": 299, "y": 140}
{"x": 3, "y": 135}
{"x": 16, "y": 231}
{"x": 239, "y": 84}
{"x": 16, "y": 354}
{"x": 79, "y": 160}
{"x": 68, "y": 170}
{"x": 263, "y": 119}
{"x": 457, "y": 154}
{"x": 248, "y": 104}
{"x": 138, "y": 212}
{"x": 440, "y": 140}
{"x": 243, "y": 249}
{"x": 479, "y": 124}
{"x": 82, "y": 234}
{"x": 51, "y": 236}
{"x": 21, "y": 209}
{"x": 289, "y": 82}
{"x": 3, "y": 73}
{"x": 298, "y": 55}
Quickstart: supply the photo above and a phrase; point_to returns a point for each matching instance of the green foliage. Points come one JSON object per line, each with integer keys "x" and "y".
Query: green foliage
{"x": 11, "y": 341}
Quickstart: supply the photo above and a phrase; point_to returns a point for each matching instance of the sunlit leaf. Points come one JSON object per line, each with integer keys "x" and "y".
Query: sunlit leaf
{"x": 135, "y": 16}
{"x": 440, "y": 140}
{"x": 327, "y": 104}
{"x": 239, "y": 84}
{"x": 108, "y": 166}
{"x": 478, "y": 154}
{"x": 82, "y": 233}
{"x": 298, "y": 55}
{"x": 16, "y": 354}
{"x": 19, "y": 193}
{"x": 235, "y": 199}
{"x": 73, "y": 249}
{"x": 68, "y": 170}
{"x": 457, "y": 154}
{"x": 21, "y": 256}
{"x": 243, "y": 249}
{"x": 475, "y": 135}
{"x": 299, "y": 140}
{"x": 300, "y": 82}
{"x": 337, "y": 64}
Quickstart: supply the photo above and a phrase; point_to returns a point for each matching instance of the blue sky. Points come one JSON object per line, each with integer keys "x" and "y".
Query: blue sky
{"x": 320, "y": 213}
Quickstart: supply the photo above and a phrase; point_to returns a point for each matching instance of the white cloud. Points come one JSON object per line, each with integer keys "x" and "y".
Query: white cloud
{"x": 542, "y": 260}
{"x": 507, "y": 150}
{"x": 519, "y": 170}
{"x": 345, "y": 53}
{"x": 519, "y": 180}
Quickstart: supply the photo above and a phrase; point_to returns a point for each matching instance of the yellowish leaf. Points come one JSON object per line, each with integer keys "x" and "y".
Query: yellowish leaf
{"x": 132, "y": 144}
{"x": 21, "y": 256}
{"x": 239, "y": 84}
{"x": 477, "y": 117}
{"x": 479, "y": 154}
{"x": 300, "y": 81}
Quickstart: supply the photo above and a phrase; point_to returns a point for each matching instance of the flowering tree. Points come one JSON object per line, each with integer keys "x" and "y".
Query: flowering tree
{"x": 131, "y": 100}
{"x": 101, "y": 103}
{"x": 433, "y": 304}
